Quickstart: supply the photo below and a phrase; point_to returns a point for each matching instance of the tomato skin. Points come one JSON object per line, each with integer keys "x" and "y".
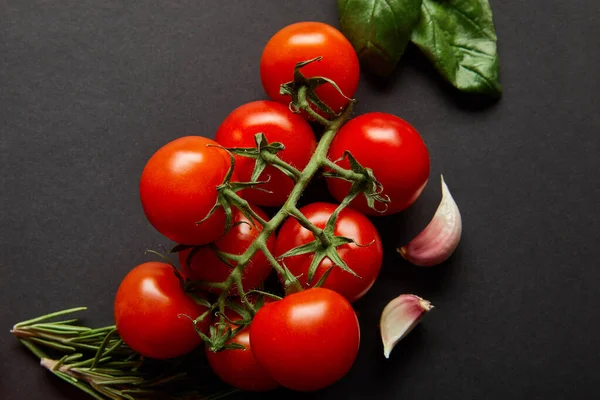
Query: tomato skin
{"x": 206, "y": 266}
{"x": 303, "y": 41}
{"x": 278, "y": 124}
{"x": 308, "y": 340}
{"x": 395, "y": 152}
{"x": 178, "y": 189}
{"x": 147, "y": 312}
{"x": 239, "y": 368}
{"x": 365, "y": 261}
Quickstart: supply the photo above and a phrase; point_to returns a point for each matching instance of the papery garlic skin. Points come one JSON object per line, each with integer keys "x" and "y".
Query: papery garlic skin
{"x": 436, "y": 243}
{"x": 399, "y": 317}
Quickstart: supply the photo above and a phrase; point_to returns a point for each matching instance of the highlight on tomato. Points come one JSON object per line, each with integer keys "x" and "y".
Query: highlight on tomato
{"x": 205, "y": 265}
{"x": 178, "y": 188}
{"x": 364, "y": 258}
{"x": 304, "y": 41}
{"x": 150, "y": 309}
{"x": 306, "y": 341}
{"x": 395, "y": 152}
{"x": 278, "y": 124}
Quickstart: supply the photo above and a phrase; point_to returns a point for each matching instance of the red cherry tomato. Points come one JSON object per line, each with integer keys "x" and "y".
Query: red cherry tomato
{"x": 278, "y": 124}
{"x": 178, "y": 189}
{"x": 237, "y": 367}
{"x": 364, "y": 261}
{"x": 303, "y": 41}
{"x": 148, "y": 313}
{"x": 308, "y": 340}
{"x": 395, "y": 152}
{"x": 206, "y": 266}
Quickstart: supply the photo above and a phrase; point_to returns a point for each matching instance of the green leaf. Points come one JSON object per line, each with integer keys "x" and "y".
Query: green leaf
{"x": 379, "y": 30}
{"x": 458, "y": 37}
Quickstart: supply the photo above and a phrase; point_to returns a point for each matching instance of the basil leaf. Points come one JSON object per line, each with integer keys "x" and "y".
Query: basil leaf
{"x": 458, "y": 37}
{"x": 379, "y": 30}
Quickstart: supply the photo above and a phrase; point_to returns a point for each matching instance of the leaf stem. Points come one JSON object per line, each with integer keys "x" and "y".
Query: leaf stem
{"x": 280, "y": 164}
{"x": 305, "y": 106}
{"x": 342, "y": 172}
{"x": 305, "y": 222}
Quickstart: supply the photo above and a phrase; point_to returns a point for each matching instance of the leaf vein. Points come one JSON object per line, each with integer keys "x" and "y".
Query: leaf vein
{"x": 465, "y": 16}
{"x": 387, "y": 2}
{"x": 472, "y": 50}
{"x": 433, "y": 29}
{"x": 474, "y": 71}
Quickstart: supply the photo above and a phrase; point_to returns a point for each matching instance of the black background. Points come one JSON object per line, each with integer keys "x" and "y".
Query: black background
{"x": 90, "y": 89}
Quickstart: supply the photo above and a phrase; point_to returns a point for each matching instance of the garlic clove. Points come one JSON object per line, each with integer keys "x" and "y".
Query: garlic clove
{"x": 399, "y": 317}
{"x": 436, "y": 243}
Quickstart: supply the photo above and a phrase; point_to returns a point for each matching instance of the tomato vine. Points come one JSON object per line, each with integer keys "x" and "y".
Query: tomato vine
{"x": 304, "y": 99}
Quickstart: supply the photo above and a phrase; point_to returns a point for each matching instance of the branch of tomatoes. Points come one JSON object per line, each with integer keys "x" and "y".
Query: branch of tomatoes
{"x": 326, "y": 242}
{"x": 193, "y": 187}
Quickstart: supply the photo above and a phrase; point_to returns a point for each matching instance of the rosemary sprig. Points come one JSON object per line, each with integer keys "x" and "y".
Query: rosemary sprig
{"x": 99, "y": 363}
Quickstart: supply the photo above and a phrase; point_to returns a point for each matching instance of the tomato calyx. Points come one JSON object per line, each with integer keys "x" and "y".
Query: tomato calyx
{"x": 225, "y": 329}
{"x": 304, "y": 97}
{"x": 324, "y": 246}
{"x": 234, "y": 317}
{"x": 363, "y": 182}
{"x": 220, "y": 337}
{"x": 264, "y": 154}
{"x": 227, "y": 196}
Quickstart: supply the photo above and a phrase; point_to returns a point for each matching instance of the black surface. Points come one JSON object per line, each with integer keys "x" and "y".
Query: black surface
{"x": 89, "y": 89}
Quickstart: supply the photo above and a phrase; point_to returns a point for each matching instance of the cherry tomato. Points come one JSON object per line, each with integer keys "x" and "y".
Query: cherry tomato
{"x": 237, "y": 367}
{"x": 303, "y": 41}
{"x": 149, "y": 309}
{"x": 178, "y": 189}
{"x": 206, "y": 266}
{"x": 308, "y": 340}
{"x": 278, "y": 124}
{"x": 364, "y": 260}
{"x": 395, "y": 152}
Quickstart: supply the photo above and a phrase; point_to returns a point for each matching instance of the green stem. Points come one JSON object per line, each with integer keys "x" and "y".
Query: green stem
{"x": 289, "y": 208}
{"x": 312, "y": 113}
{"x": 277, "y": 162}
{"x": 305, "y": 222}
{"x": 243, "y": 204}
{"x": 342, "y": 172}
{"x": 278, "y": 267}
{"x": 266, "y": 294}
